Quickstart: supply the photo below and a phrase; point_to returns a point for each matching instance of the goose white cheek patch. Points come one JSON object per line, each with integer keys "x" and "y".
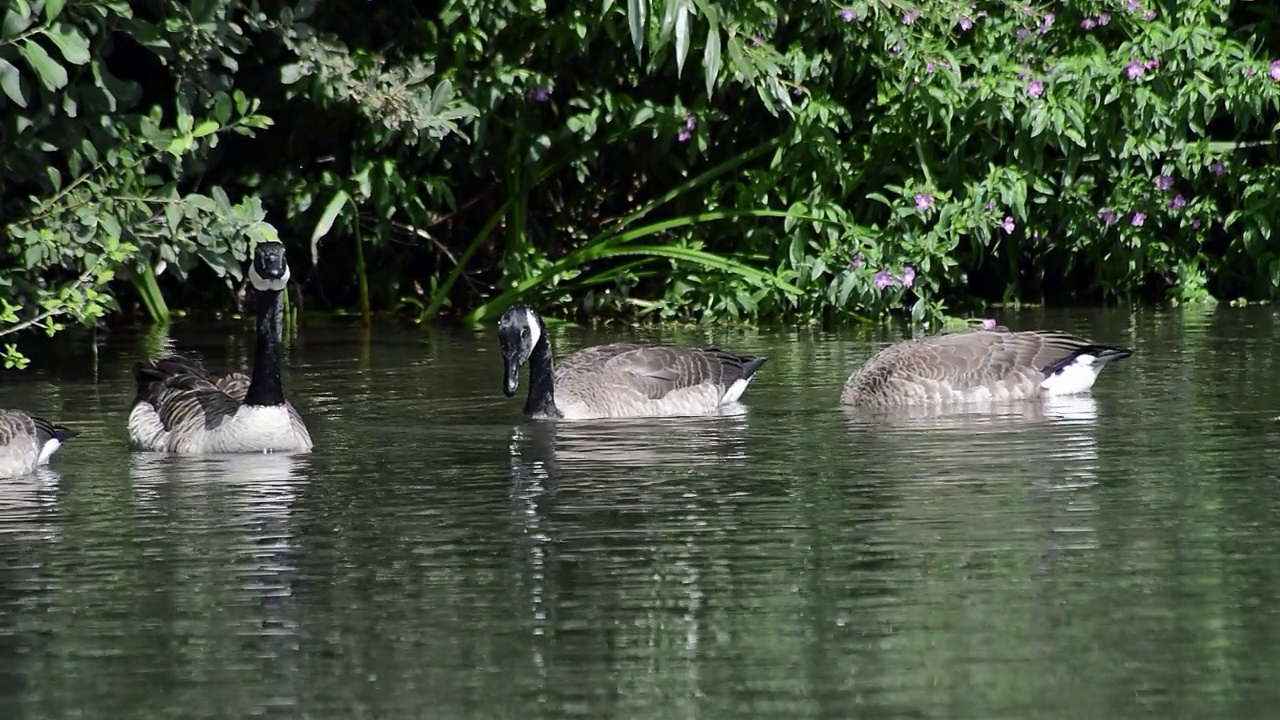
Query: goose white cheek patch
{"x": 259, "y": 282}
{"x": 535, "y": 330}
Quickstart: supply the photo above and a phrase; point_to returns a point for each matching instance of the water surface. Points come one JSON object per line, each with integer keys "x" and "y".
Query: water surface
{"x": 1108, "y": 556}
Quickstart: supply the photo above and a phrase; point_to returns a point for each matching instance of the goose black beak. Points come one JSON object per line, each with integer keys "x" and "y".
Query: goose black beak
{"x": 511, "y": 381}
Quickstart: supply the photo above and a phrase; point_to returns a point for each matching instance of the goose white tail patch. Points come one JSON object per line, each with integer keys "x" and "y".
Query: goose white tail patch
{"x": 735, "y": 391}
{"x": 1076, "y": 377}
{"x": 48, "y": 450}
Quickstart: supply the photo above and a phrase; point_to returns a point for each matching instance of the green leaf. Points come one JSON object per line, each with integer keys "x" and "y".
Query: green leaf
{"x": 52, "y": 8}
{"x": 50, "y": 72}
{"x": 73, "y": 44}
{"x": 10, "y": 83}
{"x": 325, "y": 223}
{"x": 711, "y": 58}
{"x": 204, "y": 127}
{"x": 636, "y": 16}
{"x": 682, "y": 36}
{"x": 14, "y": 23}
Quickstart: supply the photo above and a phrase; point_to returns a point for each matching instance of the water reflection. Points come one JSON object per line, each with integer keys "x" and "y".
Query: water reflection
{"x": 28, "y": 504}
{"x": 440, "y": 555}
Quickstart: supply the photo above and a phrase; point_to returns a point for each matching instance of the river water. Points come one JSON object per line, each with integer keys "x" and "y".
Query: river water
{"x": 439, "y": 556}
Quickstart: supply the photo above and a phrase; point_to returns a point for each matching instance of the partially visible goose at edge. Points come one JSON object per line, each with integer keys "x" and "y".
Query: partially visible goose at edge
{"x": 977, "y": 366}
{"x": 187, "y": 409}
{"x": 27, "y": 442}
{"x": 618, "y": 380}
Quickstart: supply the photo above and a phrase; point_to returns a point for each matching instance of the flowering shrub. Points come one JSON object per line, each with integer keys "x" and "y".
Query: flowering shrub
{"x": 670, "y": 159}
{"x": 1078, "y": 150}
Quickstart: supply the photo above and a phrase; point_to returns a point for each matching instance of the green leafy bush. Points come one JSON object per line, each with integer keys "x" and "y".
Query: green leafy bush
{"x": 672, "y": 159}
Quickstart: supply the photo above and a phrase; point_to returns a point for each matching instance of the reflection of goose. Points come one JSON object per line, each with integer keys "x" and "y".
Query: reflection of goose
{"x": 638, "y": 442}
{"x": 27, "y": 442}
{"x": 618, "y": 380}
{"x": 230, "y": 518}
{"x": 979, "y": 366}
{"x": 26, "y": 502}
{"x": 990, "y": 416}
{"x": 184, "y": 408}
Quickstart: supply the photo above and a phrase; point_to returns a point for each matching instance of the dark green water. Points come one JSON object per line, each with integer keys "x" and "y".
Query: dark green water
{"x": 440, "y": 557}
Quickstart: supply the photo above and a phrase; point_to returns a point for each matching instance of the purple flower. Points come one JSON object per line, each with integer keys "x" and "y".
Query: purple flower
{"x": 1088, "y": 23}
{"x": 1164, "y": 182}
{"x": 1151, "y": 64}
{"x": 1104, "y": 19}
{"x": 1023, "y": 33}
{"x": 930, "y": 67}
{"x": 1134, "y": 69}
{"x": 1195, "y": 223}
{"x": 991, "y": 205}
{"x": 1275, "y": 70}
{"x": 1178, "y": 202}
{"x": 686, "y": 132}
{"x": 1137, "y": 219}
{"x": 1217, "y": 167}
{"x": 1047, "y": 23}
{"x": 966, "y": 23}
{"x": 909, "y": 17}
{"x": 1108, "y": 217}
{"x": 989, "y": 324}
{"x": 1149, "y": 15}
{"x": 856, "y": 262}
{"x": 908, "y": 276}
{"x": 924, "y": 201}
{"x": 539, "y": 94}
{"x": 847, "y": 14}
{"x": 895, "y": 49}
{"x": 1008, "y": 224}
{"x": 1133, "y": 5}
{"x": 1035, "y": 88}
{"x": 882, "y": 280}
{"x": 757, "y": 40}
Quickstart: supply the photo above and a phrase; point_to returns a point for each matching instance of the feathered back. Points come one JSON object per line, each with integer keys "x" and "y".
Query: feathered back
{"x": 996, "y": 363}
{"x": 653, "y": 371}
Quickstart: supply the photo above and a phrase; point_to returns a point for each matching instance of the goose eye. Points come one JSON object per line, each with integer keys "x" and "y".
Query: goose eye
{"x": 524, "y": 333}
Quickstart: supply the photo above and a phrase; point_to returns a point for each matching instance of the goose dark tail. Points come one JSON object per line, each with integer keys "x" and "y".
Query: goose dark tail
{"x": 750, "y": 364}
{"x": 1105, "y": 353}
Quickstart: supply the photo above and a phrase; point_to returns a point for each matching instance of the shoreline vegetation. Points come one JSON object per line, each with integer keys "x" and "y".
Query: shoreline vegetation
{"x": 651, "y": 161}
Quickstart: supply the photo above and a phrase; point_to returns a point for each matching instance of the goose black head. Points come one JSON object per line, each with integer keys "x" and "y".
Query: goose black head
{"x": 269, "y": 271}
{"x": 520, "y": 331}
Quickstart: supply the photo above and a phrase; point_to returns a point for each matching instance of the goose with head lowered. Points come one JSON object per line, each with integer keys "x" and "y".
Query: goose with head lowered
{"x": 618, "y": 380}
{"x": 184, "y": 408}
{"x": 27, "y": 442}
{"x": 979, "y": 366}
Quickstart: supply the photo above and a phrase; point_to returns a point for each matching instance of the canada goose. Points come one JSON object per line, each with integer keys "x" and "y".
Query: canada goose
{"x": 979, "y": 365}
{"x": 618, "y": 380}
{"x": 27, "y": 442}
{"x": 187, "y": 409}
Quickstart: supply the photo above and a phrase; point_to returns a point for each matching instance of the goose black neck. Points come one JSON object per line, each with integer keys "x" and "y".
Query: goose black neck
{"x": 542, "y": 395}
{"x": 266, "y": 389}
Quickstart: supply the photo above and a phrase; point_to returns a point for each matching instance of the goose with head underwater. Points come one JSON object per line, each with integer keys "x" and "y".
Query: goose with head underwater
{"x": 184, "y": 408}
{"x": 618, "y": 380}
{"x": 979, "y": 366}
{"x": 27, "y": 442}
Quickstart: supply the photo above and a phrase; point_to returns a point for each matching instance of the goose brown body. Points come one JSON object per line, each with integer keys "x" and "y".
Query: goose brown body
{"x": 979, "y": 365}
